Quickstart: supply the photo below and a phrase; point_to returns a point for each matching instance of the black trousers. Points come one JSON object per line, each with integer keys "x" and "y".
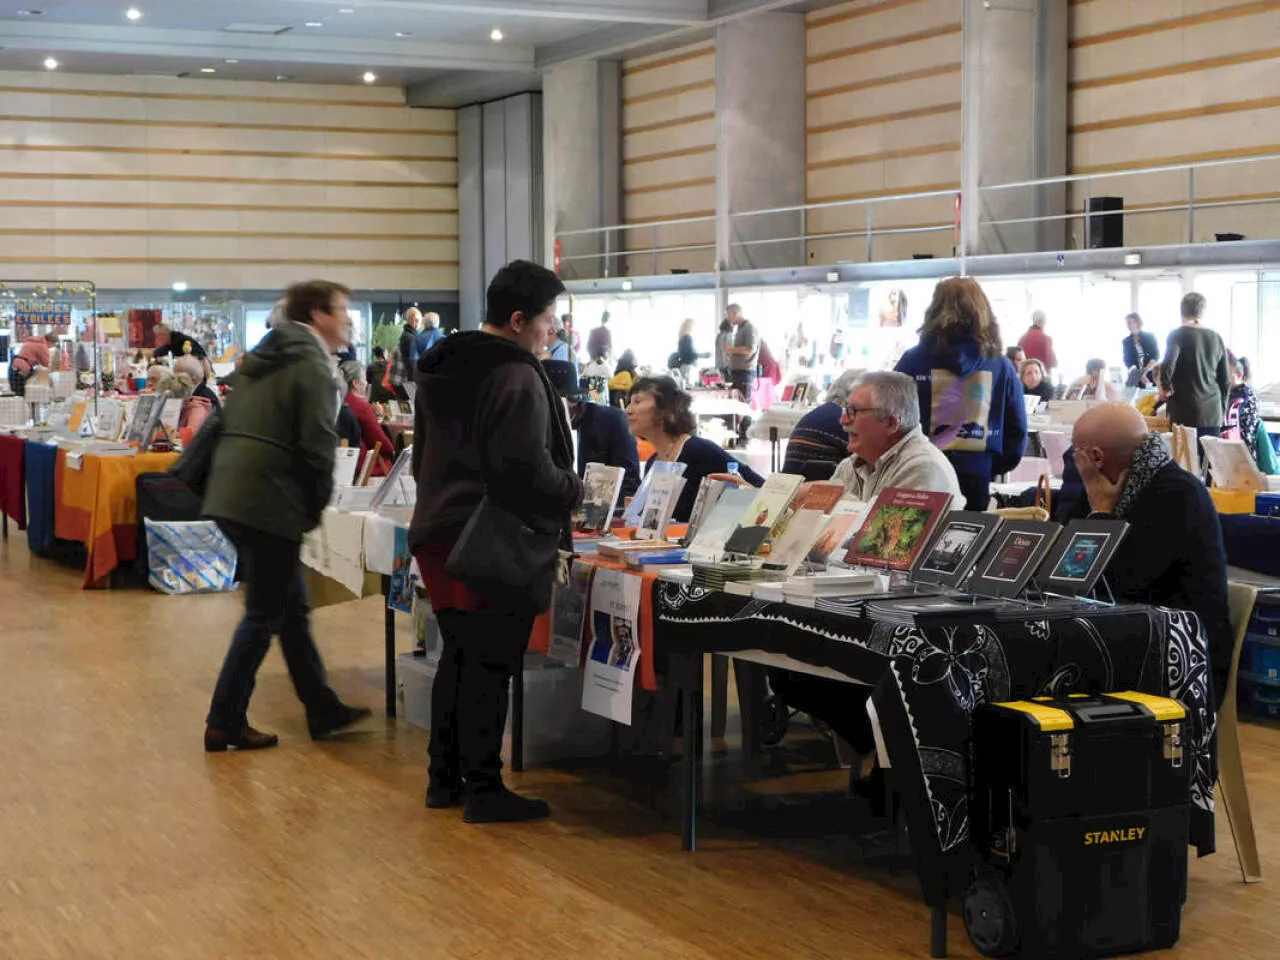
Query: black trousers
{"x": 976, "y": 490}
{"x": 275, "y": 602}
{"x": 480, "y": 653}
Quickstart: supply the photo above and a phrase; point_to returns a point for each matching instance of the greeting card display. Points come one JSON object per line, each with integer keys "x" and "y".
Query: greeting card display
{"x": 1015, "y": 554}
{"x": 764, "y": 514}
{"x": 1080, "y": 556}
{"x": 897, "y": 528}
{"x": 601, "y": 486}
{"x": 961, "y": 538}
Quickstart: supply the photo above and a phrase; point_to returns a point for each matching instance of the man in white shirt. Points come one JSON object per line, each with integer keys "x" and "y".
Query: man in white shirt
{"x": 882, "y": 419}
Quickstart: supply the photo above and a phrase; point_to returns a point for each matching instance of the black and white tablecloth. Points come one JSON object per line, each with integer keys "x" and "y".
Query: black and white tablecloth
{"x": 927, "y": 681}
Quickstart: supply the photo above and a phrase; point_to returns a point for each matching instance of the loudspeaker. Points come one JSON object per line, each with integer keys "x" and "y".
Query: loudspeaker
{"x": 1104, "y": 229}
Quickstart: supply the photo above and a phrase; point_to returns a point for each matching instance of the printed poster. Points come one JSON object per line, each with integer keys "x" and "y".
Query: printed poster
{"x": 615, "y": 645}
{"x": 403, "y": 575}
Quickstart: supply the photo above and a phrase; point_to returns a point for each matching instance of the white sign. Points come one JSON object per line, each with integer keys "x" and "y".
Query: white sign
{"x": 614, "y": 635}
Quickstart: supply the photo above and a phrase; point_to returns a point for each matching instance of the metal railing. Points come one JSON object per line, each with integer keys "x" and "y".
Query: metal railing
{"x": 610, "y": 252}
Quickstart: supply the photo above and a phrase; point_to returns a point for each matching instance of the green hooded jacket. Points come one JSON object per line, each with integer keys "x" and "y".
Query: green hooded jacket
{"x": 273, "y": 467}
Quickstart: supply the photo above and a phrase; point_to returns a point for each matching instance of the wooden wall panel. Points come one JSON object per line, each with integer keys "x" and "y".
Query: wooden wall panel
{"x": 1156, "y": 82}
{"x": 138, "y": 182}
{"x": 883, "y": 117}
{"x": 668, "y": 149}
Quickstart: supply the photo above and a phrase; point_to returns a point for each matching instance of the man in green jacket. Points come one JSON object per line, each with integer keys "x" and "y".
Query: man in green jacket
{"x": 271, "y": 478}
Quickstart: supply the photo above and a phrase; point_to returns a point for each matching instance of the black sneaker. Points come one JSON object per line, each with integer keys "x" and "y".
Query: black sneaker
{"x": 340, "y": 719}
{"x": 502, "y": 806}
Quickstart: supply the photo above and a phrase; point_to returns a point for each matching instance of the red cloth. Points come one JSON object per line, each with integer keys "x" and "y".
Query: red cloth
{"x": 1038, "y": 345}
{"x": 13, "y": 492}
{"x": 445, "y": 592}
{"x": 371, "y": 434}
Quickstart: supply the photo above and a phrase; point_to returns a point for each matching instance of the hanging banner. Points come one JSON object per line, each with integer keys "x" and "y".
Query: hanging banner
{"x": 28, "y": 316}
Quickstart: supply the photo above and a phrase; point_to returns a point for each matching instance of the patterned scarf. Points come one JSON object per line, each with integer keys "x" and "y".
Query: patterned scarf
{"x": 1151, "y": 455}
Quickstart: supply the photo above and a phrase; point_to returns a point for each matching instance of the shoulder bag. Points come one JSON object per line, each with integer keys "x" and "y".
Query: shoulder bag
{"x": 505, "y": 559}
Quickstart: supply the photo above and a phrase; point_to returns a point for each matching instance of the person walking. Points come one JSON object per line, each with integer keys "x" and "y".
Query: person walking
{"x": 744, "y": 352}
{"x": 971, "y": 403}
{"x": 493, "y": 460}
{"x": 269, "y": 482}
{"x": 1195, "y": 372}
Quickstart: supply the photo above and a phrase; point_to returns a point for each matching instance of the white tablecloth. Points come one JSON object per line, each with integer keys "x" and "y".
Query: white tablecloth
{"x": 784, "y": 418}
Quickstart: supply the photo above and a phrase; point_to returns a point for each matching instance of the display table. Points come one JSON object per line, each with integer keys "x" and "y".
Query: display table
{"x": 97, "y": 505}
{"x": 926, "y": 683}
{"x": 782, "y": 418}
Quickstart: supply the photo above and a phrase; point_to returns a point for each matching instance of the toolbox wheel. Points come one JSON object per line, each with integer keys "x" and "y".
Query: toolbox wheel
{"x": 990, "y": 917}
{"x": 776, "y": 720}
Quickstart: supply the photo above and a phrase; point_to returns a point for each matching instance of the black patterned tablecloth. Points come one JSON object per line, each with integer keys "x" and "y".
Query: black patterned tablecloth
{"x": 927, "y": 681}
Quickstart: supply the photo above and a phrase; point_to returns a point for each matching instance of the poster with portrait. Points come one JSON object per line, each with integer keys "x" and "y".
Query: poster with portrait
{"x": 614, "y": 651}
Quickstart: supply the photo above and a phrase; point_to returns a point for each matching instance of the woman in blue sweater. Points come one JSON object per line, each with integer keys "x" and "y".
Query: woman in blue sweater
{"x": 971, "y": 403}
{"x": 659, "y": 411}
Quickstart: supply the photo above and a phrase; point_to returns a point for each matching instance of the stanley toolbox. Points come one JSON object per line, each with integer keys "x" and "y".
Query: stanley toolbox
{"x": 1080, "y": 814}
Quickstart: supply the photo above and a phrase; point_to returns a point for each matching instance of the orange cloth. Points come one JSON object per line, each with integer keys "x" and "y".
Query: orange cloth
{"x": 98, "y": 506}
{"x": 646, "y": 450}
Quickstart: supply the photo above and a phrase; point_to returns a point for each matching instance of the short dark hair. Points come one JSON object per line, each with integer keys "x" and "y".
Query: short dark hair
{"x": 674, "y": 405}
{"x": 1012, "y": 352}
{"x": 379, "y": 353}
{"x": 1193, "y": 306}
{"x": 1135, "y": 318}
{"x": 520, "y": 287}
{"x": 301, "y": 298}
{"x": 1095, "y": 366}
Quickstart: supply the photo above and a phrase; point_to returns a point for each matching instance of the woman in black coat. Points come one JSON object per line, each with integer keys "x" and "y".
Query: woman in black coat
{"x": 1141, "y": 353}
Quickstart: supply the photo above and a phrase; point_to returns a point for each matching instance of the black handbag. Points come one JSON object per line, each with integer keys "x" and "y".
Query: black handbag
{"x": 505, "y": 559}
{"x": 192, "y": 468}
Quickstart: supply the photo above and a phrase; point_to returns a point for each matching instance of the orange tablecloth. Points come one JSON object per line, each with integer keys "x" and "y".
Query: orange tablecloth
{"x": 97, "y": 505}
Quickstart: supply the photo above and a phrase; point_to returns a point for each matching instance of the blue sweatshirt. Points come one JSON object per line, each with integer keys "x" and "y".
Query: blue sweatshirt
{"x": 971, "y": 407}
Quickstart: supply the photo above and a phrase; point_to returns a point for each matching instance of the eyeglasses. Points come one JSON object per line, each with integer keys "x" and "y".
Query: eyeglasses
{"x": 852, "y": 412}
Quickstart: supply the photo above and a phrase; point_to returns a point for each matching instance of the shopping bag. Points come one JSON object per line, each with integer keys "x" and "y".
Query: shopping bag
{"x": 189, "y": 556}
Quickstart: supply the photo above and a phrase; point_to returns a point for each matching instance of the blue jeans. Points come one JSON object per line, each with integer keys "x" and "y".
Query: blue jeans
{"x": 275, "y": 602}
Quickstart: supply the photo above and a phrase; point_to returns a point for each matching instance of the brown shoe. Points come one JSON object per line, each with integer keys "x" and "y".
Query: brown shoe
{"x": 218, "y": 741}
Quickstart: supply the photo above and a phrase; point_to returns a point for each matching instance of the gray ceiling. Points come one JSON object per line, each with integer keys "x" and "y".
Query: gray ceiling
{"x": 447, "y": 56}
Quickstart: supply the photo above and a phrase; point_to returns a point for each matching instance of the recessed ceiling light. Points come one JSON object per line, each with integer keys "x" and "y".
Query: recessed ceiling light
{"x": 231, "y": 61}
{"x": 370, "y": 77}
{"x": 495, "y": 35}
{"x": 30, "y": 13}
{"x": 133, "y": 13}
{"x": 283, "y": 76}
{"x": 50, "y": 63}
{"x": 345, "y": 10}
{"x": 208, "y": 70}
{"x": 179, "y": 287}
{"x": 313, "y": 23}
{"x": 403, "y": 33}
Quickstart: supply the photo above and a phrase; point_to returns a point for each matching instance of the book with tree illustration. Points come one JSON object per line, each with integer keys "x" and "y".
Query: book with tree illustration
{"x": 897, "y": 528}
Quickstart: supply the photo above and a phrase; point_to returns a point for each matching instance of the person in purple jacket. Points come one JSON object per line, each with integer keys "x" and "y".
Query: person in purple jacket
{"x": 971, "y": 401}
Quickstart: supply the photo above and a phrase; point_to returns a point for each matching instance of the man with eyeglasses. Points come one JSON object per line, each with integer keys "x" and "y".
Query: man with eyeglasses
{"x": 882, "y": 419}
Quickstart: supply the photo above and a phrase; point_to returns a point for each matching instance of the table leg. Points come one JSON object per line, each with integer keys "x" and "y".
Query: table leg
{"x": 691, "y": 761}
{"x": 517, "y": 720}
{"x": 5, "y": 530}
{"x": 938, "y": 931}
{"x": 719, "y": 695}
{"x": 389, "y": 636}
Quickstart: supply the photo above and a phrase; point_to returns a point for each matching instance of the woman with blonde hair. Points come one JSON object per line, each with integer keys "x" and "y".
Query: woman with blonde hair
{"x": 971, "y": 403}
{"x": 687, "y": 356}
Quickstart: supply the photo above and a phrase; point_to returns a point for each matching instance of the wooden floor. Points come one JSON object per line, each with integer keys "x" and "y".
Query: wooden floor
{"x": 120, "y": 838}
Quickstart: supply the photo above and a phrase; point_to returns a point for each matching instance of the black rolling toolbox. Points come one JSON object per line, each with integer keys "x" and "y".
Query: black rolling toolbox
{"x": 1080, "y": 813}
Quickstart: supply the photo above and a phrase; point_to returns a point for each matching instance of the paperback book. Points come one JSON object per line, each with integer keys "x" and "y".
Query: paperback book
{"x": 794, "y": 546}
{"x": 709, "y": 545}
{"x": 635, "y": 509}
{"x": 833, "y": 543}
{"x": 663, "y": 495}
{"x": 962, "y": 537}
{"x": 822, "y": 497}
{"x": 897, "y": 528}
{"x": 766, "y": 510}
{"x": 1013, "y": 557}
{"x": 601, "y": 486}
{"x": 1080, "y": 556}
{"x": 708, "y": 495}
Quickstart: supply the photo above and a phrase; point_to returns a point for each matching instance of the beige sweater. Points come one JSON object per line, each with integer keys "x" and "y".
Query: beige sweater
{"x": 913, "y": 463}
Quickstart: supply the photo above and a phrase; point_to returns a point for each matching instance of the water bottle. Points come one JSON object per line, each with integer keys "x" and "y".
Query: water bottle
{"x": 735, "y": 468}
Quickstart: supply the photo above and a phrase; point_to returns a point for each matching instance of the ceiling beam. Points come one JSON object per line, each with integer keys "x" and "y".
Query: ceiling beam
{"x": 461, "y": 88}
{"x": 286, "y": 48}
{"x": 671, "y": 12}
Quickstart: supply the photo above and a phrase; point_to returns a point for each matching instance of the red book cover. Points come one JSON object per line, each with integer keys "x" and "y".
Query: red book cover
{"x": 820, "y": 496}
{"x": 897, "y": 528}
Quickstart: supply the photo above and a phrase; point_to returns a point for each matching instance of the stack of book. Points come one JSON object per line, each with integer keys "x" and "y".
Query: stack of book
{"x": 806, "y": 591}
{"x": 729, "y": 577}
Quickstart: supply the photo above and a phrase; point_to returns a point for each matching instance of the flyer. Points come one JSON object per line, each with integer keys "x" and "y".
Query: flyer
{"x": 568, "y": 616}
{"x": 614, "y": 636}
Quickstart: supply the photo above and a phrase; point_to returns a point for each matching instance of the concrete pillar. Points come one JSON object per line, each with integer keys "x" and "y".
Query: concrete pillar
{"x": 499, "y": 194}
{"x": 760, "y": 142}
{"x": 1015, "y": 122}
{"x": 582, "y": 163}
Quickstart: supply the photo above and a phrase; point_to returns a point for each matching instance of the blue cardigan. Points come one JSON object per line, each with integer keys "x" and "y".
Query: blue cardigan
{"x": 971, "y": 406}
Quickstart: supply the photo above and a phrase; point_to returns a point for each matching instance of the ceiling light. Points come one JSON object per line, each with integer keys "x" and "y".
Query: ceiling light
{"x": 50, "y": 63}
{"x": 231, "y": 61}
{"x": 345, "y": 10}
{"x": 313, "y": 23}
{"x": 283, "y": 76}
{"x": 370, "y": 77}
{"x": 208, "y": 70}
{"x": 403, "y": 33}
{"x": 133, "y": 13}
{"x": 179, "y": 287}
{"x": 30, "y": 13}
{"x": 495, "y": 35}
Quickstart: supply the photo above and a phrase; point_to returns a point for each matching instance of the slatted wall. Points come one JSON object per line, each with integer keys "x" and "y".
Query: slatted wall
{"x": 138, "y": 182}
{"x": 1157, "y": 82}
{"x": 669, "y": 154}
{"x": 883, "y": 103}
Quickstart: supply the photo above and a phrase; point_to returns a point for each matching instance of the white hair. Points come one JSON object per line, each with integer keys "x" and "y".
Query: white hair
{"x": 840, "y": 388}
{"x": 894, "y": 395}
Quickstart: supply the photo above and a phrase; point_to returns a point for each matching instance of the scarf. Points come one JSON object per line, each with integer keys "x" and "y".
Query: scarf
{"x": 1151, "y": 455}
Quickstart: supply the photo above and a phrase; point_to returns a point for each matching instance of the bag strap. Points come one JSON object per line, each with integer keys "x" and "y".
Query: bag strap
{"x": 1044, "y": 494}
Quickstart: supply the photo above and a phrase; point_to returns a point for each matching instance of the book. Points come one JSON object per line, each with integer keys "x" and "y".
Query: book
{"x": 794, "y": 546}
{"x": 1013, "y": 557}
{"x": 635, "y": 509}
{"x": 1080, "y": 556}
{"x": 834, "y": 583}
{"x": 897, "y": 528}
{"x": 619, "y": 550}
{"x": 663, "y": 495}
{"x": 762, "y": 516}
{"x": 601, "y": 486}
{"x": 708, "y": 494}
{"x": 962, "y": 536}
{"x": 833, "y": 543}
{"x": 822, "y": 497}
{"x": 144, "y": 418}
{"x": 1231, "y": 467}
{"x": 721, "y": 522}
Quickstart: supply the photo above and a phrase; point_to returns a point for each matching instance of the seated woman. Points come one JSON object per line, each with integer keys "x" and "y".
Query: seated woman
{"x": 1094, "y": 385}
{"x": 1034, "y": 381}
{"x": 623, "y": 377}
{"x": 193, "y": 369}
{"x": 371, "y": 432}
{"x": 658, "y": 411}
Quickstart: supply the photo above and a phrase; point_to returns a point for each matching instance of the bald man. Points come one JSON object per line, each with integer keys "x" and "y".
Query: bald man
{"x": 1172, "y": 555}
